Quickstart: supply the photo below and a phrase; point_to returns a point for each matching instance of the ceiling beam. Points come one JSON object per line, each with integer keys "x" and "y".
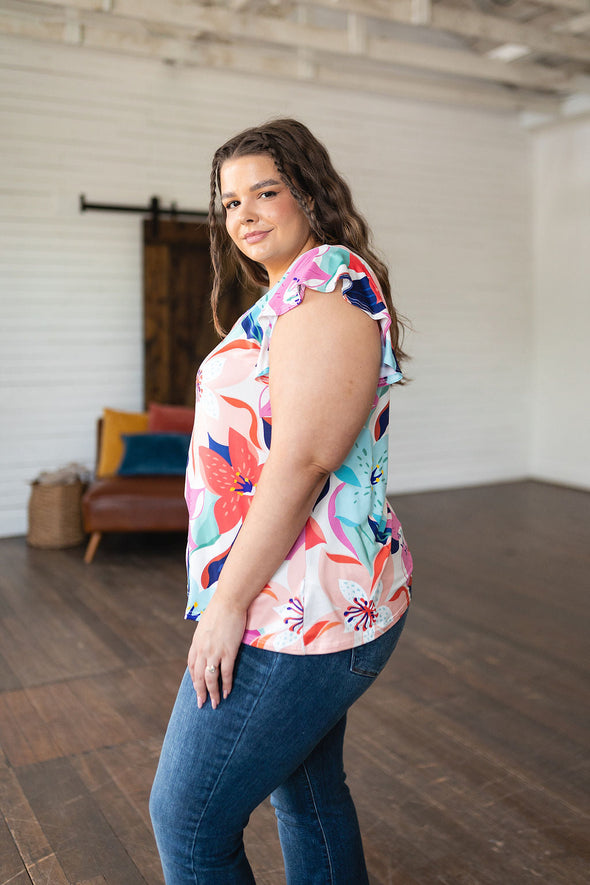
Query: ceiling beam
{"x": 576, "y": 25}
{"x": 572, "y": 5}
{"x": 226, "y": 57}
{"x": 503, "y": 30}
{"x": 473, "y": 24}
{"x": 389, "y": 9}
{"x": 468, "y": 64}
{"x": 223, "y": 24}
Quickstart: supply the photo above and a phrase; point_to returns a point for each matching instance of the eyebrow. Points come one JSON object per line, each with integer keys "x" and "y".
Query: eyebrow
{"x": 255, "y": 187}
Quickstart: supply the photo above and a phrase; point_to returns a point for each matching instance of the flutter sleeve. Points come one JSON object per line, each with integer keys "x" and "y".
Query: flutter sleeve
{"x": 321, "y": 269}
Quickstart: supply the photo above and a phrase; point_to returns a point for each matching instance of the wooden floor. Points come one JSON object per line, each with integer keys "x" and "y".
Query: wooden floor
{"x": 468, "y": 759}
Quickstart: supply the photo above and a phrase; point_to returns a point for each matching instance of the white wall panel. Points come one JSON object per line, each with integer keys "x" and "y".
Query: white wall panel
{"x": 561, "y": 425}
{"x": 446, "y": 190}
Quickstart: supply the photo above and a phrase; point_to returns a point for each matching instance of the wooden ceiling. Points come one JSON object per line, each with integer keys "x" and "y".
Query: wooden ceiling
{"x": 523, "y": 55}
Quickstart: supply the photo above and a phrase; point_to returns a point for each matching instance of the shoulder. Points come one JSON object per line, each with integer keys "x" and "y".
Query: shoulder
{"x": 323, "y": 325}
{"x": 326, "y": 269}
{"x": 322, "y": 267}
{"x": 320, "y": 283}
{"x": 326, "y": 322}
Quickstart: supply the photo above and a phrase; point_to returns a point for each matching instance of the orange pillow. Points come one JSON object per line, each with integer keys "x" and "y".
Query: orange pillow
{"x": 170, "y": 419}
{"x": 114, "y": 424}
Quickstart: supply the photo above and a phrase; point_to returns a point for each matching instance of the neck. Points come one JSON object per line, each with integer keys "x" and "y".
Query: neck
{"x": 275, "y": 274}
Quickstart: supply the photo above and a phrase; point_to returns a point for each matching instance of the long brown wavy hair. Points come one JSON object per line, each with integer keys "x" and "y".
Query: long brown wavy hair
{"x": 303, "y": 163}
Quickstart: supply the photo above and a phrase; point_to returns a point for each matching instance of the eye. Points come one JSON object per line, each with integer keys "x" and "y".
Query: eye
{"x": 231, "y": 204}
{"x": 268, "y": 194}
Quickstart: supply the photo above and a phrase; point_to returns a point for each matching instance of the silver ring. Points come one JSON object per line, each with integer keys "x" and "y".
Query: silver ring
{"x": 211, "y": 669}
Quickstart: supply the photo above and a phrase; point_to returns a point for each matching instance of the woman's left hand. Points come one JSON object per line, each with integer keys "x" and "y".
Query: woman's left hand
{"x": 215, "y": 644}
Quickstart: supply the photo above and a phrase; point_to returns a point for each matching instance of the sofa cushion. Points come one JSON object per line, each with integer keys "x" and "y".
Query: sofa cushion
{"x": 114, "y": 424}
{"x": 134, "y": 504}
{"x": 170, "y": 419}
{"x": 154, "y": 454}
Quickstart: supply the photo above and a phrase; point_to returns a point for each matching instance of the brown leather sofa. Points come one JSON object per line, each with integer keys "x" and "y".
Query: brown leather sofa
{"x": 132, "y": 504}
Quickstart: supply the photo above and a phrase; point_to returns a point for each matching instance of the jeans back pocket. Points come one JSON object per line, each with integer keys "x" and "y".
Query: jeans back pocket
{"x": 370, "y": 658}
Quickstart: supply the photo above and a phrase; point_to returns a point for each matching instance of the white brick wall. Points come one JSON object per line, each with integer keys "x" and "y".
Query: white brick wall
{"x": 447, "y": 191}
{"x": 561, "y": 393}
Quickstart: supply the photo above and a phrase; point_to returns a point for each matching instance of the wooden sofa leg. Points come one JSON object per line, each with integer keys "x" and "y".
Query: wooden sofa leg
{"x": 92, "y": 545}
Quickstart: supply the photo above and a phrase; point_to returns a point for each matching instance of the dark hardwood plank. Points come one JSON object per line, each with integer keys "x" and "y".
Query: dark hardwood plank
{"x": 74, "y": 713}
{"x": 12, "y": 868}
{"x": 23, "y": 735}
{"x": 425, "y": 771}
{"x": 9, "y": 681}
{"x": 47, "y": 871}
{"x": 78, "y": 628}
{"x": 121, "y": 792}
{"x": 80, "y": 836}
{"x": 49, "y": 642}
{"x": 468, "y": 759}
{"x": 144, "y": 696}
{"x": 28, "y": 835}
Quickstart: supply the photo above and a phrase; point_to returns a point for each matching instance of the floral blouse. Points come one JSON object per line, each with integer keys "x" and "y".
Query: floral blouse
{"x": 347, "y": 577}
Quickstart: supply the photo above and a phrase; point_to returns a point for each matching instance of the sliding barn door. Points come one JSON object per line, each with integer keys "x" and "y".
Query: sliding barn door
{"x": 178, "y": 327}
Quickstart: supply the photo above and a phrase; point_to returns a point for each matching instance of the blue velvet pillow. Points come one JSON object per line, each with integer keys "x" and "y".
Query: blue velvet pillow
{"x": 154, "y": 454}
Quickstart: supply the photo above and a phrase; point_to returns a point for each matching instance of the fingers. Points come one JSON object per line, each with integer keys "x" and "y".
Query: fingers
{"x": 196, "y": 665}
{"x": 209, "y": 679}
{"x": 205, "y": 679}
{"x": 198, "y": 678}
{"x": 213, "y": 652}
{"x": 227, "y": 674}
{"x": 212, "y": 683}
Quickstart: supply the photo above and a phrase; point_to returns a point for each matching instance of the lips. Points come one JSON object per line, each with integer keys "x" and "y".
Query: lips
{"x": 256, "y": 236}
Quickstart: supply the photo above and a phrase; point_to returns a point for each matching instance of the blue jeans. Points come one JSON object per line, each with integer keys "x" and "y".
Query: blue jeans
{"x": 279, "y": 733}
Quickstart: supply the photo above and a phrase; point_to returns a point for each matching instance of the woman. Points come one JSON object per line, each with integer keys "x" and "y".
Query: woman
{"x": 299, "y": 575}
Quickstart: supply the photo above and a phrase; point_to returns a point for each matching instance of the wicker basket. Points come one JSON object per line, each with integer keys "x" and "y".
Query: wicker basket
{"x": 55, "y": 515}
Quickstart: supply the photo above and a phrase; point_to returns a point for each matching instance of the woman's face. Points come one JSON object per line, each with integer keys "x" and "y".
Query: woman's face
{"x": 262, "y": 217}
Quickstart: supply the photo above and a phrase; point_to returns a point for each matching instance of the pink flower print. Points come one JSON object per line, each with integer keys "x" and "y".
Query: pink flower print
{"x": 291, "y": 623}
{"x": 364, "y": 613}
{"x": 234, "y": 480}
{"x": 294, "y": 615}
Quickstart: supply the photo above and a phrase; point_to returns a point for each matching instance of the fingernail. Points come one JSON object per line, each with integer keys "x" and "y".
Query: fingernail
{"x": 225, "y": 694}
{"x": 199, "y": 702}
{"x": 213, "y": 704}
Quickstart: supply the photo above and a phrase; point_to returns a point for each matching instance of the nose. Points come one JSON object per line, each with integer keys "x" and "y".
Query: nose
{"x": 247, "y": 212}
